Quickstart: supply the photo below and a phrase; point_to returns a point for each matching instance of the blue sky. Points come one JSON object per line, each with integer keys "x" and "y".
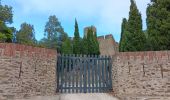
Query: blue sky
{"x": 106, "y": 15}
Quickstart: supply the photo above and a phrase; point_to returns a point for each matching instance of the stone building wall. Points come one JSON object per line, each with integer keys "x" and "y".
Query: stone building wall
{"x": 137, "y": 74}
{"x": 26, "y": 71}
{"x": 107, "y": 45}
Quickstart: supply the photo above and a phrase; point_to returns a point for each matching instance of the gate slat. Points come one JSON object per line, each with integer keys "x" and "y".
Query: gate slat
{"x": 103, "y": 80}
{"x": 76, "y": 72}
{"x": 96, "y": 73}
{"x": 88, "y": 68}
{"x": 65, "y": 72}
{"x": 85, "y": 83}
{"x": 107, "y": 72}
{"x": 110, "y": 72}
{"x": 81, "y": 71}
{"x": 93, "y": 73}
{"x": 73, "y": 72}
{"x": 69, "y": 71}
{"x": 99, "y": 73}
{"x": 62, "y": 73}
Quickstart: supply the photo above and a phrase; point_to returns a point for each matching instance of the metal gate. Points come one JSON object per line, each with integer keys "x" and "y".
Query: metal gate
{"x": 82, "y": 74}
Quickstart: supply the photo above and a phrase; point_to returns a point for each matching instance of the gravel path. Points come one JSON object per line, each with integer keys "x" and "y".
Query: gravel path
{"x": 88, "y": 96}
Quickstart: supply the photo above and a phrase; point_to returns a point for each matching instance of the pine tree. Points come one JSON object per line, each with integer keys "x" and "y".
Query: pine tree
{"x": 158, "y": 24}
{"x": 55, "y": 34}
{"x": 136, "y": 39}
{"x": 123, "y": 35}
{"x": 76, "y": 40}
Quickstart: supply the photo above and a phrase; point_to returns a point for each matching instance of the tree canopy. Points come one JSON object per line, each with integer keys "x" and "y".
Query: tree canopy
{"x": 6, "y": 14}
{"x": 26, "y": 34}
{"x": 54, "y": 34}
{"x": 158, "y": 24}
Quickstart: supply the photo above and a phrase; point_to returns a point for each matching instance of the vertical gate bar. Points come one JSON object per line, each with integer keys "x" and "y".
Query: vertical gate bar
{"x": 77, "y": 72}
{"x": 62, "y": 65}
{"x": 96, "y": 73}
{"x": 74, "y": 58}
{"x": 107, "y": 72}
{"x": 99, "y": 72}
{"x": 80, "y": 81}
{"x": 69, "y": 72}
{"x": 85, "y": 83}
{"x": 65, "y": 73}
{"x": 110, "y": 72}
{"x": 88, "y": 68}
{"x": 93, "y": 63}
{"x": 102, "y": 73}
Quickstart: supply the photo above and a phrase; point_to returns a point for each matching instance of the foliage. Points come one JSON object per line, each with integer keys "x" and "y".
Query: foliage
{"x": 133, "y": 36}
{"x": 92, "y": 43}
{"x": 5, "y": 33}
{"x": 26, "y": 34}
{"x": 84, "y": 48}
{"x": 123, "y": 35}
{"x": 67, "y": 47}
{"x": 55, "y": 34}
{"x": 76, "y": 40}
{"x": 158, "y": 24}
{"x": 6, "y": 14}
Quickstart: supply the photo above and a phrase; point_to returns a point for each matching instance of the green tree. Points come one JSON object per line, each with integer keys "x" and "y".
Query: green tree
{"x": 84, "y": 47}
{"x": 67, "y": 47}
{"x": 26, "y": 34}
{"x": 96, "y": 44}
{"x": 92, "y": 43}
{"x": 76, "y": 40}
{"x": 6, "y": 14}
{"x": 123, "y": 35}
{"x": 5, "y": 33}
{"x": 5, "y": 18}
{"x": 158, "y": 24}
{"x": 55, "y": 33}
{"x": 136, "y": 39}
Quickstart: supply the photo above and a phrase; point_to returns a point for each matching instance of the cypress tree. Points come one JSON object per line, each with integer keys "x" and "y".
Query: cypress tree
{"x": 123, "y": 35}
{"x": 76, "y": 40}
{"x": 93, "y": 45}
{"x": 136, "y": 39}
{"x": 96, "y": 44}
{"x": 84, "y": 43}
{"x": 158, "y": 24}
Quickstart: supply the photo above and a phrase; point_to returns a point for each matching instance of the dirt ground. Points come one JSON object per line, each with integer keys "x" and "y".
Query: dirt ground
{"x": 88, "y": 96}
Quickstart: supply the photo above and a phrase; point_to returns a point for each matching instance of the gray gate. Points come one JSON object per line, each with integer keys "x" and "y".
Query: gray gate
{"x": 82, "y": 74}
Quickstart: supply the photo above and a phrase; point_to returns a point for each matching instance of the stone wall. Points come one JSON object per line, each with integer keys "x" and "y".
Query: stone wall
{"x": 26, "y": 71}
{"x": 137, "y": 74}
{"x": 107, "y": 45}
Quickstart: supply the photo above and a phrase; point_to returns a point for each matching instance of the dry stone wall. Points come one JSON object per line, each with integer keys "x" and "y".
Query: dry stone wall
{"x": 26, "y": 71}
{"x": 137, "y": 74}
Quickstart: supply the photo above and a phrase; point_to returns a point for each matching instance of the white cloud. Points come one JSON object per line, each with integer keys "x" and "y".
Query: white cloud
{"x": 108, "y": 13}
